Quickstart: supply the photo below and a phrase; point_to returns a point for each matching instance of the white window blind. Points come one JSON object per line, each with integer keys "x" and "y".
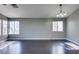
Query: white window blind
{"x": 57, "y": 26}
{"x": 14, "y": 27}
{"x": 4, "y": 27}
{"x": 0, "y": 27}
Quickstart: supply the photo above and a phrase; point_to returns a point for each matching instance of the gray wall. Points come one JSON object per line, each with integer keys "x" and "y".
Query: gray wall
{"x": 2, "y": 37}
{"x": 38, "y": 28}
{"x": 73, "y": 27}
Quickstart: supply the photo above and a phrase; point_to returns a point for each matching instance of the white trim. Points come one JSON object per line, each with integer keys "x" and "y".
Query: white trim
{"x": 5, "y": 44}
{"x": 72, "y": 41}
{"x": 2, "y": 41}
{"x": 72, "y": 46}
{"x": 37, "y": 38}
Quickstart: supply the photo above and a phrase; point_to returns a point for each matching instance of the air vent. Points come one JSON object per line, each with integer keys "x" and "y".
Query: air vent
{"x": 14, "y": 5}
{"x": 3, "y": 4}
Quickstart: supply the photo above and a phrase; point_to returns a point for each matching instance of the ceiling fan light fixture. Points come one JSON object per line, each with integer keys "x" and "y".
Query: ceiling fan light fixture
{"x": 57, "y": 15}
{"x": 65, "y": 14}
{"x": 61, "y": 13}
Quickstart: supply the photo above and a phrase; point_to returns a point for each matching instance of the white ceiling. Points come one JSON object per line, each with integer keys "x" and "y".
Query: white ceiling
{"x": 36, "y": 10}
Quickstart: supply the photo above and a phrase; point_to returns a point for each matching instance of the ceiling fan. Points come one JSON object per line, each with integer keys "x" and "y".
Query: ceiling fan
{"x": 13, "y": 5}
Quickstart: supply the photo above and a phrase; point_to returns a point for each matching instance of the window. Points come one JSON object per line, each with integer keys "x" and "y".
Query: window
{"x": 14, "y": 27}
{"x": 4, "y": 27}
{"x": 57, "y": 26}
{"x": 0, "y": 27}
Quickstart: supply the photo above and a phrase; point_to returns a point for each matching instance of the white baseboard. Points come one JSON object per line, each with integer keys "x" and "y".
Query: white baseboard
{"x": 37, "y": 38}
{"x": 1, "y": 41}
{"x": 72, "y": 41}
{"x": 5, "y": 44}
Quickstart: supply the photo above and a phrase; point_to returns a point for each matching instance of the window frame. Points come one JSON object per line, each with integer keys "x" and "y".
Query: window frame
{"x": 58, "y": 25}
{"x": 5, "y": 27}
{"x": 14, "y": 28}
{"x": 0, "y": 27}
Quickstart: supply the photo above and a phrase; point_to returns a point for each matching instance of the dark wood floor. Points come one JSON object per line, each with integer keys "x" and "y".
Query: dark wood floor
{"x": 34, "y": 47}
